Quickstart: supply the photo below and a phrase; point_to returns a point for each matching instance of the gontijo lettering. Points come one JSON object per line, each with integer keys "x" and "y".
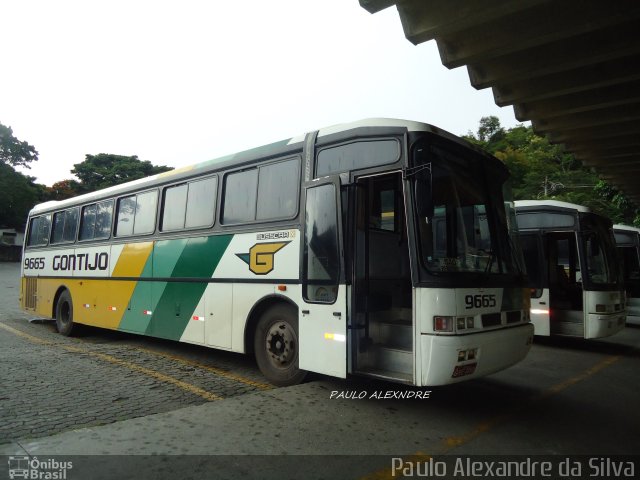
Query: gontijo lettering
{"x": 81, "y": 261}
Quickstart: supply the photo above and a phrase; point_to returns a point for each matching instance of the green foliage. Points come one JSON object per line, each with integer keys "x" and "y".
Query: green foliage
{"x": 105, "y": 170}
{"x": 13, "y": 151}
{"x": 18, "y": 194}
{"x": 541, "y": 170}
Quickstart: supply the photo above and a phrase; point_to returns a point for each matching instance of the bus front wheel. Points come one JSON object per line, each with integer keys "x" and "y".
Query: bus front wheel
{"x": 276, "y": 346}
{"x": 64, "y": 314}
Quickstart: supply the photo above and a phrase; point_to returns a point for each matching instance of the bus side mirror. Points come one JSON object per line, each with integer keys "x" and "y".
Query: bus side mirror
{"x": 424, "y": 199}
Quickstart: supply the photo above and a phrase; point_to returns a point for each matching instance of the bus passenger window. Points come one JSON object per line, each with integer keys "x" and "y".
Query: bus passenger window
{"x": 174, "y": 208}
{"x": 146, "y": 206}
{"x": 58, "y": 227}
{"x": 189, "y": 205}
{"x": 126, "y": 216}
{"x": 39, "y": 231}
{"x": 137, "y": 214}
{"x": 104, "y": 213}
{"x": 88, "y": 222}
{"x": 65, "y": 224}
{"x": 278, "y": 190}
{"x": 240, "y": 196}
{"x": 201, "y": 203}
{"x": 70, "y": 225}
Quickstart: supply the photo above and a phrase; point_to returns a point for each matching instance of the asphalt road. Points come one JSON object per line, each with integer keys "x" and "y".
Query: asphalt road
{"x": 106, "y": 393}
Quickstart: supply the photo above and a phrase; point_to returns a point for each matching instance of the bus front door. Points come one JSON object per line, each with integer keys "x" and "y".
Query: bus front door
{"x": 382, "y": 312}
{"x": 322, "y": 325}
{"x": 565, "y": 284}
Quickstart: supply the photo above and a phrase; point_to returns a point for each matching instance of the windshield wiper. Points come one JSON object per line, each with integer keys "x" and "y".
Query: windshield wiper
{"x": 492, "y": 255}
{"x": 411, "y": 171}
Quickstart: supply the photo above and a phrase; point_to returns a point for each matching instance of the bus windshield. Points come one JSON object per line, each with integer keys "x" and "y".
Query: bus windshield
{"x": 473, "y": 228}
{"x": 599, "y": 253}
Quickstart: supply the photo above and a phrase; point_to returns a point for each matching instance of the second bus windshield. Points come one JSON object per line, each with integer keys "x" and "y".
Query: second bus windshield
{"x": 599, "y": 252}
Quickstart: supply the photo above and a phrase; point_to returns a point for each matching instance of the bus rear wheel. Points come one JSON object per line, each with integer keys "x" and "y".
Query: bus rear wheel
{"x": 276, "y": 346}
{"x": 64, "y": 314}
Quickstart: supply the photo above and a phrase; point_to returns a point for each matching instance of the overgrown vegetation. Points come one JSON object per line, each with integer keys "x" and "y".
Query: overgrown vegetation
{"x": 541, "y": 170}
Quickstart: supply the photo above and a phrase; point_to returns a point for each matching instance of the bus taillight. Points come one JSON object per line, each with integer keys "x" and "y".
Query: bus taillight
{"x": 443, "y": 324}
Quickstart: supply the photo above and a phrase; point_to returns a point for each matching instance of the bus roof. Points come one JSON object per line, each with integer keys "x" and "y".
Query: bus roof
{"x": 628, "y": 228}
{"x": 280, "y": 147}
{"x": 551, "y": 204}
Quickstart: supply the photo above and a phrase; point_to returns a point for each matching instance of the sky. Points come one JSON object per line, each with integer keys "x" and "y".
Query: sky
{"x": 181, "y": 82}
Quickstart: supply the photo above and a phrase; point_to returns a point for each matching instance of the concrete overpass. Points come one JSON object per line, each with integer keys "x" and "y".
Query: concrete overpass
{"x": 571, "y": 67}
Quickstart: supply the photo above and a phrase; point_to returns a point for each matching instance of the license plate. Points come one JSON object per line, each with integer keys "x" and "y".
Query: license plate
{"x": 462, "y": 370}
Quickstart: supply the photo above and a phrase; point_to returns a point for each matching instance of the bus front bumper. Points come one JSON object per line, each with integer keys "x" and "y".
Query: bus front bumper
{"x": 454, "y": 358}
{"x": 604, "y": 325}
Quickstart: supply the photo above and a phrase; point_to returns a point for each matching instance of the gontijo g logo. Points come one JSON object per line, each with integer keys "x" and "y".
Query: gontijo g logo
{"x": 261, "y": 256}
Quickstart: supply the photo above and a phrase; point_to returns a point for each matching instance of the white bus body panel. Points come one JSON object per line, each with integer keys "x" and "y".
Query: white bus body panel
{"x": 633, "y": 311}
{"x": 497, "y": 350}
{"x": 599, "y": 325}
{"x": 323, "y": 336}
{"x": 540, "y": 314}
{"x": 437, "y": 353}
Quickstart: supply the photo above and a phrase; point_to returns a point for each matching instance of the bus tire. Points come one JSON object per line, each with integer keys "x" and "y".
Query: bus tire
{"x": 64, "y": 314}
{"x": 276, "y": 346}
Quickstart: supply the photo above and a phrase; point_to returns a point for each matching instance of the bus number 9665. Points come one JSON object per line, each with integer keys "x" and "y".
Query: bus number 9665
{"x": 34, "y": 263}
{"x": 479, "y": 301}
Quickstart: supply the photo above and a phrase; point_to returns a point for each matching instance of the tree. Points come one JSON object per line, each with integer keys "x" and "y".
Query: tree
{"x": 64, "y": 189}
{"x": 541, "y": 170}
{"x": 18, "y": 194}
{"x": 13, "y": 151}
{"x": 105, "y": 170}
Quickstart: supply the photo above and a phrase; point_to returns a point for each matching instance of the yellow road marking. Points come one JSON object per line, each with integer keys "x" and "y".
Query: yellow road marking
{"x": 456, "y": 441}
{"x": 152, "y": 373}
{"x": 26, "y": 336}
{"x": 117, "y": 361}
{"x": 215, "y": 370}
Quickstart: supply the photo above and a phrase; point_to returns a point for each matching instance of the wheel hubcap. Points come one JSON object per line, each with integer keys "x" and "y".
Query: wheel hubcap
{"x": 281, "y": 344}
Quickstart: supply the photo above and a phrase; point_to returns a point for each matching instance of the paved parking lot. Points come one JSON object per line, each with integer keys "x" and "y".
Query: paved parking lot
{"x": 52, "y": 383}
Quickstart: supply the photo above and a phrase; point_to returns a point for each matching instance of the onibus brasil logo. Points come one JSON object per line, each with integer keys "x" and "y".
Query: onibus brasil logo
{"x": 261, "y": 256}
{"x": 32, "y": 468}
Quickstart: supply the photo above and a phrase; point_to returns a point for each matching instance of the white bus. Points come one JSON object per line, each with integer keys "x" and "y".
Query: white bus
{"x": 576, "y": 288}
{"x": 628, "y": 246}
{"x": 385, "y": 248}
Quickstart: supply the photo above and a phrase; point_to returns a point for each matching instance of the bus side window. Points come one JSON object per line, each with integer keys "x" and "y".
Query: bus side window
{"x": 65, "y": 224}
{"x": 268, "y": 192}
{"x": 57, "y": 233}
{"x": 201, "y": 203}
{"x": 95, "y": 221}
{"x": 240, "y": 196}
{"x": 88, "y": 222}
{"x": 39, "y": 231}
{"x": 136, "y": 214}
{"x": 278, "y": 190}
{"x": 189, "y": 205}
{"x": 70, "y": 225}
